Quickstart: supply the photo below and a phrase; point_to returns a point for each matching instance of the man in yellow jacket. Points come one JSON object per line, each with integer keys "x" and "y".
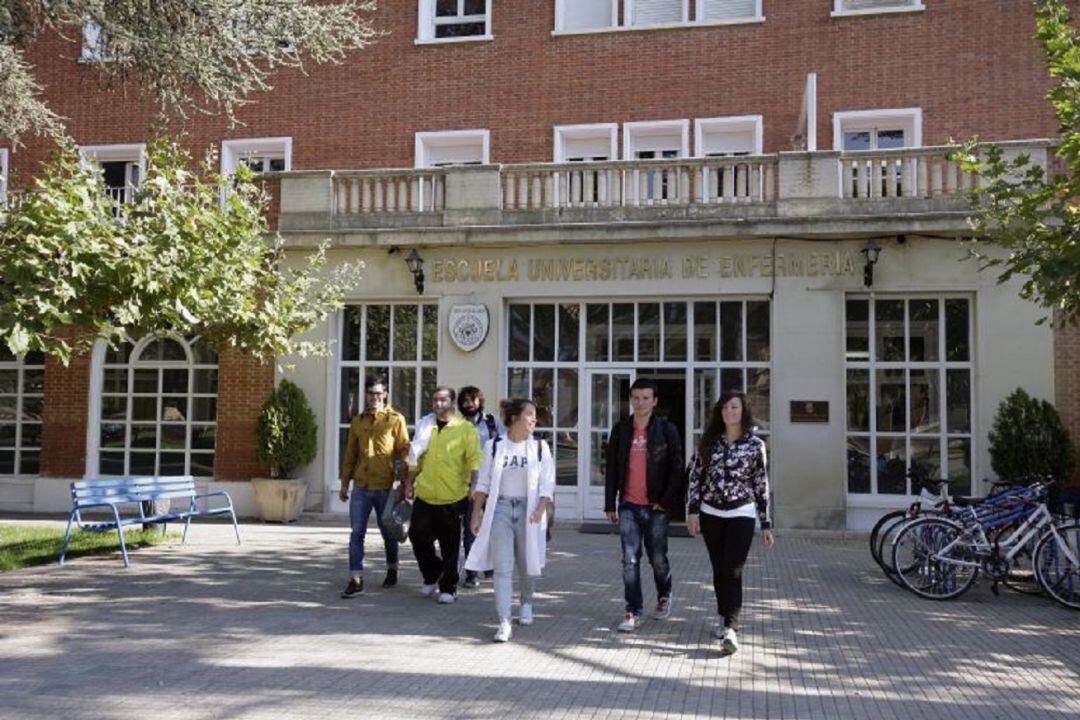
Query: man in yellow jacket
{"x": 450, "y": 463}
{"x": 378, "y": 441}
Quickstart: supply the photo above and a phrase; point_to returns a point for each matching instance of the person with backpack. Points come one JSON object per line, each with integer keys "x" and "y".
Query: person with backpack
{"x": 488, "y": 427}
{"x": 517, "y": 481}
{"x": 644, "y": 472}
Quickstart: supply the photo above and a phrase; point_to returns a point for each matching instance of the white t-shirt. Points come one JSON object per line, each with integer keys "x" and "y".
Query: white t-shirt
{"x": 515, "y": 470}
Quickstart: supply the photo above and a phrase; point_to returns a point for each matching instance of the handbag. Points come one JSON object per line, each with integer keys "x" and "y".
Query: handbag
{"x": 397, "y": 515}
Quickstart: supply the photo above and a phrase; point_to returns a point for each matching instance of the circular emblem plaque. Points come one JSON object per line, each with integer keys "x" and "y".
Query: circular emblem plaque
{"x": 469, "y": 326}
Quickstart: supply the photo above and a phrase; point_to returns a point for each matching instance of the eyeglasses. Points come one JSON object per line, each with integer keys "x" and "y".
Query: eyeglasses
{"x": 375, "y": 393}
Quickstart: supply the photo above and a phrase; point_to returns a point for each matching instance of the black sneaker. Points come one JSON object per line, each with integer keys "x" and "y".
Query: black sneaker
{"x": 391, "y": 578}
{"x": 488, "y": 574}
{"x": 354, "y": 588}
{"x": 471, "y": 581}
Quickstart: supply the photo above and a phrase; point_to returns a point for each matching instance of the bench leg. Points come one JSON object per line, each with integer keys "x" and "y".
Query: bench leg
{"x": 120, "y": 534}
{"x": 236, "y": 528}
{"x": 67, "y": 536}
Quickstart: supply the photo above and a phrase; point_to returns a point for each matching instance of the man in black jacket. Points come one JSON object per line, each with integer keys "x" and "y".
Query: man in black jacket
{"x": 644, "y": 472}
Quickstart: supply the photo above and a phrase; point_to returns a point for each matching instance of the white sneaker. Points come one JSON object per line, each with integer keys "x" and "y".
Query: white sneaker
{"x": 526, "y": 617}
{"x": 729, "y": 642}
{"x": 428, "y": 590}
{"x": 629, "y": 623}
{"x": 504, "y": 632}
{"x": 446, "y": 598}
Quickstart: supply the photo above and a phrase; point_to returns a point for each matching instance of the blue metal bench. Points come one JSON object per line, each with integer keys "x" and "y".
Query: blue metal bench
{"x": 117, "y": 495}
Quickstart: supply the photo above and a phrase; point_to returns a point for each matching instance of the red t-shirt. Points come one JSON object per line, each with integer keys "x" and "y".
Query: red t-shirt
{"x": 636, "y": 491}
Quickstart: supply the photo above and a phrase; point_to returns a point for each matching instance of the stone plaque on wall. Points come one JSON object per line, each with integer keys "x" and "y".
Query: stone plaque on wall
{"x": 469, "y": 326}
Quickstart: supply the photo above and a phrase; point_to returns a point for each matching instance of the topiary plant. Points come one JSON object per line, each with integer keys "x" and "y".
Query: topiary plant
{"x": 1029, "y": 438}
{"x": 286, "y": 435}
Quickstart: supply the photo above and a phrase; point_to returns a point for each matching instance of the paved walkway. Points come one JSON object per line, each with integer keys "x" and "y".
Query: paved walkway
{"x": 212, "y": 630}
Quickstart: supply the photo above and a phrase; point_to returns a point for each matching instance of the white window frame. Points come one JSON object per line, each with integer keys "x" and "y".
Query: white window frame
{"x": 699, "y": 10}
{"x": 858, "y": 120}
{"x": 232, "y": 151}
{"x": 427, "y": 140}
{"x": 425, "y": 28}
{"x": 900, "y": 6}
{"x": 94, "y": 155}
{"x": 20, "y": 366}
{"x": 3, "y": 175}
{"x": 94, "y": 49}
{"x": 98, "y": 365}
{"x": 632, "y": 131}
{"x": 874, "y": 498}
{"x": 586, "y": 132}
{"x": 732, "y": 123}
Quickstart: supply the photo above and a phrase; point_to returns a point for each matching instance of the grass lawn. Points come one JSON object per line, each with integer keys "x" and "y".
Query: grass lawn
{"x": 25, "y": 545}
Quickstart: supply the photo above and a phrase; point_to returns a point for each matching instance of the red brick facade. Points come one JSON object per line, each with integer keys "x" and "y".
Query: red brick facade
{"x": 970, "y": 65}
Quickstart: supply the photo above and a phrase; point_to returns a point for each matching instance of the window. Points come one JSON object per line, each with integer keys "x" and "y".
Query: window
{"x": 713, "y": 344}
{"x": 909, "y": 392}
{"x": 876, "y": 130}
{"x": 22, "y": 397}
{"x": 158, "y": 412}
{"x": 585, "y": 143}
{"x": 454, "y": 20}
{"x": 867, "y": 7}
{"x": 661, "y": 140}
{"x": 396, "y": 342}
{"x": 94, "y": 43}
{"x": 121, "y": 168}
{"x": 452, "y": 147}
{"x": 259, "y": 154}
{"x": 3, "y": 175}
{"x": 728, "y": 137}
{"x": 577, "y": 16}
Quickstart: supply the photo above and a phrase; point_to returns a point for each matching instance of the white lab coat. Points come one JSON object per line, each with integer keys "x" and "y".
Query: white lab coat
{"x": 541, "y": 484}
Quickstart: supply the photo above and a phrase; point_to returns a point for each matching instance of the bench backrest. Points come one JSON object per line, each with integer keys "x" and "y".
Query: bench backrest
{"x": 132, "y": 489}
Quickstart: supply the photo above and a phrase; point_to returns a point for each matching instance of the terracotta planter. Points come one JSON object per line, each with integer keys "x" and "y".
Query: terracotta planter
{"x": 279, "y": 500}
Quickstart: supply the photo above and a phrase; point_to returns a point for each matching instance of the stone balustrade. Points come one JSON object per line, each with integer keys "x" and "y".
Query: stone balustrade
{"x": 785, "y": 188}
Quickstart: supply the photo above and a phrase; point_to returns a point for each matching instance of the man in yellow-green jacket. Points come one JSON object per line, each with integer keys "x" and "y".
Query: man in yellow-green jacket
{"x": 378, "y": 441}
{"x": 450, "y": 463}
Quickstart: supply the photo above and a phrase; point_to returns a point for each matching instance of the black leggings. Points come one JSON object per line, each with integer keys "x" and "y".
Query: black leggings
{"x": 728, "y": 541}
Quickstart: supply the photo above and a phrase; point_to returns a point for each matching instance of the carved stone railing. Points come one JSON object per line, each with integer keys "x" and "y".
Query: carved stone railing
{"x": 639, "y": 183}
{"x": 368, "y": 192}
{"x": 925, "y": 172}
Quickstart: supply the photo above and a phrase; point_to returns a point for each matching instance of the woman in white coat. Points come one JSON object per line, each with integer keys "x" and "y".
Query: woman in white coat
{"x": 517, "y": 481}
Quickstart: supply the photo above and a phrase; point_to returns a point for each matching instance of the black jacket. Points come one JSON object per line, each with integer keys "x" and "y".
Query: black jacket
{"x": 664, "y": 473}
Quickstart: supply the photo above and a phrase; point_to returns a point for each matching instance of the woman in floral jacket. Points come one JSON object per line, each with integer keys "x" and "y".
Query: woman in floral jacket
{"x": 729, "y": 489}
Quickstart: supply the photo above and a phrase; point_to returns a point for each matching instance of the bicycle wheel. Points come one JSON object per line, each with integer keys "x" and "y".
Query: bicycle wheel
{"x": 1057, "y": 564}
{"x": 885, "y": 545}
{"x": 1021, "y": 577}
{"x": 932, "y": 560}
{"x": 875, "y": 533}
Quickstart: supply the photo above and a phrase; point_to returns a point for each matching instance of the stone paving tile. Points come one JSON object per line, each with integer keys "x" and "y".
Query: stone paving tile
{"x": 212, "y": 630}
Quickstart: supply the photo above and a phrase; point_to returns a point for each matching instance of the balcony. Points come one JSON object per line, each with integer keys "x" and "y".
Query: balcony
{"x": 802, "y": 194}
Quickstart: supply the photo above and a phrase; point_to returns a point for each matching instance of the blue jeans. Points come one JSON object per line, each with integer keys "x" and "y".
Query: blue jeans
{"x": 507, "y": 550}
{"x": 641, "y": 525}
{"x": 361, "y": 503}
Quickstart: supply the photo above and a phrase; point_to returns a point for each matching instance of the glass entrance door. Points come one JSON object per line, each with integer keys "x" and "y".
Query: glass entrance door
{"x": 608, "y": 400}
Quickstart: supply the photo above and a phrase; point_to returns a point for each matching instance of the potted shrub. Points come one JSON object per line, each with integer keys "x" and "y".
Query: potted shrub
{"x": 286, "y": 439}
{"x": 1029, "y": 438}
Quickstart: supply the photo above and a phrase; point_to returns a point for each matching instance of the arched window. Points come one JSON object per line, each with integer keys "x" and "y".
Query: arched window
{"x": 159, "y": 408}
{"x": 22, "y": 395}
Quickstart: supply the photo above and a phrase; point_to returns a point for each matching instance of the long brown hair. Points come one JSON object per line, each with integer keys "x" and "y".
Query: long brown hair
{"x": 714, "y": 429}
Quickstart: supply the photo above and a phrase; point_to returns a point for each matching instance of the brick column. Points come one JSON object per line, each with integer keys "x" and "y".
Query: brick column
{"x": 243, "y": 384}
{"x": 64, "y": 418}
{"x": 1067, "y": 382}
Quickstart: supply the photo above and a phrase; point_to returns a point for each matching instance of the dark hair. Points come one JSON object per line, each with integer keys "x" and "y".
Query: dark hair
{"x": 467, "y": 393}
{"x": 646, "y": 384}
{"x": 512, "y": 408}
{"x": 714, "y": 429}
{"x": 446, "y": 389}
{"x": 372, "y": 380}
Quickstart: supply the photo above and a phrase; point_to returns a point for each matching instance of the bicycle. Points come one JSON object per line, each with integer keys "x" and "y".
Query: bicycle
{"x": 941, "y": 557}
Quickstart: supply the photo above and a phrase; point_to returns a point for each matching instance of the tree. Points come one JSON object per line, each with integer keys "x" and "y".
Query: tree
{"x": 1028, "y": 438}
{"x": 205, "y": 56}
{"x": 188, "y": 254}
{"x": 1032, "y": 215}
{"x": 286, "y": 434}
